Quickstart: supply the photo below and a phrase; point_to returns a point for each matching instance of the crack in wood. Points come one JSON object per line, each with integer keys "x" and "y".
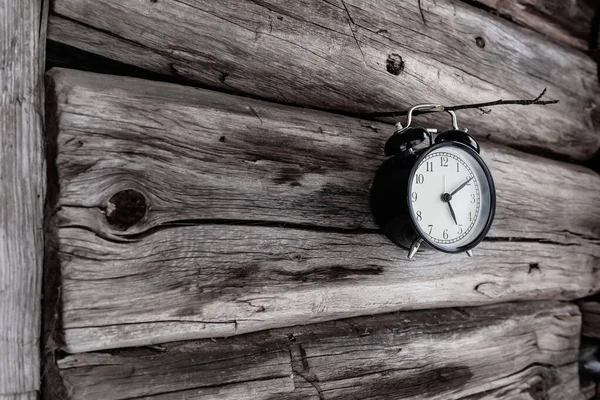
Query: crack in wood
{"x": 167, "y": 321}
{"x": 352, "y": 26}
{"x": 232, "y": 222}
{"x": 109, "y": 238}
{"x": 333, "y": 272}
{"x": 256, "y": 114}
{"x": 216, "y": 385}
{"x": 258, "y": 309}
{"x": 528, "y": 240}
{"x": 306, "y": 375}
{"x": 421, "y": 12}
{"x": 479, "y": 285}
{"x": 126, "y": 238}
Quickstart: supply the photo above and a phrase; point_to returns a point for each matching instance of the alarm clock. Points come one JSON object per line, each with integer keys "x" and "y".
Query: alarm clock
{"x": 435, "y": 194}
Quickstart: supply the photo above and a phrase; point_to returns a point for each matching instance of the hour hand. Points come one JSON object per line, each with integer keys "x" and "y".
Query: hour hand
{"x": 452, "y": 212}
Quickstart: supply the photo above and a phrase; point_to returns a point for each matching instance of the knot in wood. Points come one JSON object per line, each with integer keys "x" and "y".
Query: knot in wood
{"x": 394, "y": 64}
{"x": 480, "y": 42}
{"x": 125, "y": 209}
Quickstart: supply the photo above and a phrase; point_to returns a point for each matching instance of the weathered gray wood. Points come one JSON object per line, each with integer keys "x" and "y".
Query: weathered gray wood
{"x": 589, "y": 390}
{"x": 213, "y": 280}
{"x": 21, "y": 396}
{"x": 257, "y": 217}
{"x": 569, "y": 22}
{"x": 540, "y": 382}
{"x": 192, "y": 370}
{"x": 230, "y": 158}
{"x": 22, "y": 188}
{"x": 590, "y": 310}
{"x": 335, "y": 55}
{"x": 516, "y": 351}
{"x": 596, "y": 48}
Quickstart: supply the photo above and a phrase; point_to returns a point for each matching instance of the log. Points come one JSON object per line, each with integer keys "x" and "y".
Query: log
{"x": 22, "y": 191}
{"x": 355, "y": 56}
{"x": 590, "y": 310}
{"x": 595, "y": 46}
{"x": 589, "y": 390}
{"x": 21, "y": 396}
{"x": 568, "y": 22}
{"x": 257, "y": 161}
{"x": 518, "y": 350}
{"x": 589, "y": 366}
{"x": 240, "y": 215}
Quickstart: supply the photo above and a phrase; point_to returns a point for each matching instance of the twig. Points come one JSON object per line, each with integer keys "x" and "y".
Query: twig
{"x": 536, "y": 101}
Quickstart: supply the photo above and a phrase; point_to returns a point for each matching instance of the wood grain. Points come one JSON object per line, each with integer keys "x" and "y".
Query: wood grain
{"x": 231, "y": 158}
{"x": 257, "y": 217}
{"x": 595, "y": 46}
{"x": 212, "y": 280}
{"x": 569, "y": 22}
{"x": 589, "y": 390}
{"x": 22, "y": 189}
{"x": 590, "y": 310}
{"x": 516, "y": 351}
{"x": 21, "y": 396}
{"x": 336, "y": 55}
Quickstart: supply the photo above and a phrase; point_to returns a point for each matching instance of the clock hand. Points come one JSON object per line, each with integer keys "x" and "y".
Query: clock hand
{"x": 446, "y": 198}
{"x": 460, "y": 187}
{"x": 452, "y": 212}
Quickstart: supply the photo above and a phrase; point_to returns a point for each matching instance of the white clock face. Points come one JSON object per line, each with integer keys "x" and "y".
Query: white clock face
{"x": 450, "y": 198}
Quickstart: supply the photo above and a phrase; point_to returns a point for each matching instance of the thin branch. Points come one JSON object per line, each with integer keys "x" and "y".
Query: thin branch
{"x": 537, "y": 101}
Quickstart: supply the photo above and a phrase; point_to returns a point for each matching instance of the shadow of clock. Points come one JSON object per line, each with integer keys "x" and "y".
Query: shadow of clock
{"x": 389, "y": 200}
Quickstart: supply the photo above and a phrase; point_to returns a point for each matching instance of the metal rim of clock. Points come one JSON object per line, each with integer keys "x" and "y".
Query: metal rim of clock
{"x": 492, "y": 189}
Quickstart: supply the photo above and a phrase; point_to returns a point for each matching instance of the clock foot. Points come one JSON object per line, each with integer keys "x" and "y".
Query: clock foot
{"x": 414, "y": 247}
{"x": 470, "y": 253}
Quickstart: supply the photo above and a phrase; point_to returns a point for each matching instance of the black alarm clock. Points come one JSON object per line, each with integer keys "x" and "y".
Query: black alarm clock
{"x": 433, "y": 194}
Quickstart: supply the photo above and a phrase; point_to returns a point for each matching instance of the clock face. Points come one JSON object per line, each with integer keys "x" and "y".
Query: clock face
{"x": 450, "y": 197}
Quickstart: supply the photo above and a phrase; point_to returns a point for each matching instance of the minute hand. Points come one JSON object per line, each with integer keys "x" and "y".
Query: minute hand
{"x": 461, "y": 186}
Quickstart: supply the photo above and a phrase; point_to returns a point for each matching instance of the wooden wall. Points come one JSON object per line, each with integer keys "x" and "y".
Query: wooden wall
{"x": 335, "y": 56}
{"x": 22, "y": 191}
{"x": 572, "y": 23}
{"x": 213, "y": 238}
{"x": 256, "y": 216}
{"x": 499, "y": 351}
